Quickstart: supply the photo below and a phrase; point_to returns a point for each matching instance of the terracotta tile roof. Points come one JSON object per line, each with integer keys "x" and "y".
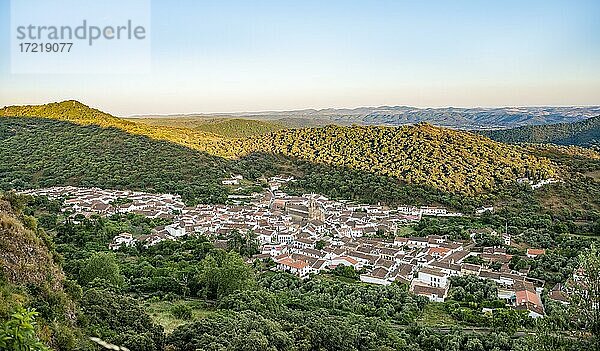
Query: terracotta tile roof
{"x": 558, "y": 294}
{"x": 348, "y": 259}
{"x": 432, "y": 271}
{"x": 425, "y": 290}
{"x": 290, "y": 262}
{"x": 536, "y": 252}
{"x": 437, "y": 250}
{"x": 378, "y": 273}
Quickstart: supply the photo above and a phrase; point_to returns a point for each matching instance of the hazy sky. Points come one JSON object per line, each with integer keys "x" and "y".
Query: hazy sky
{"x": 211, "y": 56}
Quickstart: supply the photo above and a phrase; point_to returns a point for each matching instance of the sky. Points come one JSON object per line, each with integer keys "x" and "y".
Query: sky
{"x": 226, "y": 56}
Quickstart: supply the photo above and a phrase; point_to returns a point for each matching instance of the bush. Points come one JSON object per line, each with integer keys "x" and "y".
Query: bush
{"x": 18, "y": 333}
{"x": 181, "y": 311}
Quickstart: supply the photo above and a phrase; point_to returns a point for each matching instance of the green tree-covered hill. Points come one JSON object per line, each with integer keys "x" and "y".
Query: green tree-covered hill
{"x": 440, "y": 158}
{"x": 445, "y": 159}
{"x": 584, "y": 133}
{"x": 76, "y": 112}
{"x": 225, "y": 127}
{"x": 42, "y": 152}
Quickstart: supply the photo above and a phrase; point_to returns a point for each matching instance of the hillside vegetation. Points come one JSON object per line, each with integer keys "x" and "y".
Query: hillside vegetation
{"x": 230, "y": 128}
{"x": 423, "y": 154}
{"x": 42, "y": 152}
{"x": 30, "y": 276}
{"x": 238, "y": 128}
{"x": 50, "y": 306}
{"x": 76, "y": 112}
{"x": 584, "y": 133}
{"x": 439, "y": 158}
{"x": 24, "y": 257}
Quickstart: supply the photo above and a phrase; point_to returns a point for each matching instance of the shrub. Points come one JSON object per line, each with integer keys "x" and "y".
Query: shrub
{"x": 181, "y": 311}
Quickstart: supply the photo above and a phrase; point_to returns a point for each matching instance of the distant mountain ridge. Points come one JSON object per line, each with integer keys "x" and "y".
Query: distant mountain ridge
{"x": 453, "y": 117}
{"x": 584, "y": 133}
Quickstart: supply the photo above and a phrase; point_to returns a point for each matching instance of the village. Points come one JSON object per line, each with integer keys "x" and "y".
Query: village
{"x": 311, "y": 234}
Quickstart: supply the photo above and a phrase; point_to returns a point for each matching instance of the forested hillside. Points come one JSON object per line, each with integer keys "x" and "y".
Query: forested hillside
{"x": 439, "y": 158}
{"x": 231, "y": 128}
{"x": 76, "y": 112}
{"x": 30, "y": 276}
{"x": 584, "y": 133}
{"x": 40, "y": 305}
{"x": 41, "y": 152}
{"x": 423, "y": 154}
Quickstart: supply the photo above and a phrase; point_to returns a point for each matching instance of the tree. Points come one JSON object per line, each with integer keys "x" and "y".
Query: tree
{"x": 18, "y": 333}
{"x": 121, "y": 320}
{"x": 586, "y": 292}
{"x": 474, "y": 260}
{"x": 223, "y": 273}
{"x": 320, "y": 244}
{"x": 101, "y": 266}
{"x": 345, "y": 271}
{"x": 181, "y": 311}
{"x": 487, "y": 240}
{"x": 244, "y": 244}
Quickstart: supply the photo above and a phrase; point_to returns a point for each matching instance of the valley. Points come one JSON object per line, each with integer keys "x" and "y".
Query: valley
{"x": 300, "y": 176}
{"x": 240, "y": 230}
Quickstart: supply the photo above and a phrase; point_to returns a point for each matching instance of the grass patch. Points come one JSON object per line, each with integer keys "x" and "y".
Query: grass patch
{"x": 435, "y": 314}
{"x": 593, "y": 174}
{"x": 161, "y": 313}
{"x": 405, "y": 231}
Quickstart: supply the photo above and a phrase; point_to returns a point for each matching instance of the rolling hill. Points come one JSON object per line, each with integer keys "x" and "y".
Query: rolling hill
{"x": 118, "y": 153}
{"x": 38, "y": 152}
{"x": 76, "y": 112}
{"x": 445, "y": 159}
{"x": 584, "y": 133}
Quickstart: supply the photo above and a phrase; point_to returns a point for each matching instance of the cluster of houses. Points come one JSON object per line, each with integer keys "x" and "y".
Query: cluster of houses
{"x": 310, "y": 234}
{"x": 425, "y": 264}
{"x": 88, "y": 201}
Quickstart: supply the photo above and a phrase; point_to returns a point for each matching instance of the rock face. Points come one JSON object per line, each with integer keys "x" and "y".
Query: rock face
{"x": 24, "y": 257}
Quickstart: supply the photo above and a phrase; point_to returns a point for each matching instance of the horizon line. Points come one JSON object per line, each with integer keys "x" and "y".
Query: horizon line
{"x": 250, "y": 112}
{"x": 355, "y": 108}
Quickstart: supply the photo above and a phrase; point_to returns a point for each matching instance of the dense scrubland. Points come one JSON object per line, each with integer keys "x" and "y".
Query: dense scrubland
{"x": 425, "y": 155}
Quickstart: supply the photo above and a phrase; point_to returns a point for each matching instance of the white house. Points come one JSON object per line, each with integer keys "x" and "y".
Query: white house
{"x": 297, "y": 267}
{"x": 285, "y": 237}
{"x": 433, "y": 211}
{"x": 344, "y": 261}
{"x": 417, "y": 242}
{"x": 176, "y": 229}
{"x": 434, "y": 294}
{"x": 377, "y": 276}
{"x": 433, "y": 277}
{"x": 484, "y": 209}
{"x": 121, "y": 239}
